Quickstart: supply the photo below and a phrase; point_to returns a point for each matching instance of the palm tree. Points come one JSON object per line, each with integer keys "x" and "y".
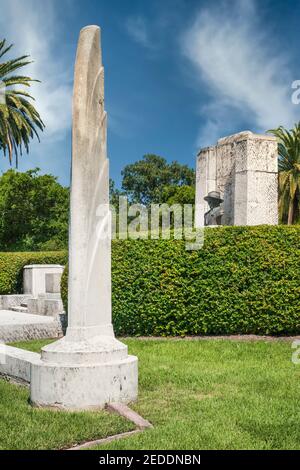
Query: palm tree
{"x": 19, "y": 120}
{"x": 289, "y": 172}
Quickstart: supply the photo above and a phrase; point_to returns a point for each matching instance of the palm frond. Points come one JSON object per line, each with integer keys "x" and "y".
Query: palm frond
{"x": 19, "y": 119}
{"x": 3, "y": 49}
{"x": 11, "y": 65}
{"x": 289, "y": 170}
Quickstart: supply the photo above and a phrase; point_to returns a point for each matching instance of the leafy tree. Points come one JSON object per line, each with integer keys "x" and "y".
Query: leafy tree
{"x": 178, "y": 194}
{"x": 145, "y": 180}
{"x": 289, "y": 172}
{"x": 19, "y": 119}
{"x": 114, "y": 194}
{"x": 33, "y": 211}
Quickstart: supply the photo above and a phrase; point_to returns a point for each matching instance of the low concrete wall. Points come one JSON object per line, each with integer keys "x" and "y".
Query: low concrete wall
{"x": 16, "y": 362}
{"x": 17, "y": 326}
{"x": 42, "y": 305}
{"x": 14, "y": 300}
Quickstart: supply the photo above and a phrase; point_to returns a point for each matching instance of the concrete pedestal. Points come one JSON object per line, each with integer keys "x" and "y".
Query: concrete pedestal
{"x": 84, "y": 375}
{"x": 38, "y": 277}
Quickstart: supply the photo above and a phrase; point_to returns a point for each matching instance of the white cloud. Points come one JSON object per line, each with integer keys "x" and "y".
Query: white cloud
{"x": 137, "y": 28}
{"x": 238, "y": 63}
{"x": 33, "y": 28}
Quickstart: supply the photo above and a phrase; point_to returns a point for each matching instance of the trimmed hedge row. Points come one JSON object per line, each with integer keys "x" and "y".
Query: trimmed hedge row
{"x": 244, "y": 280}
{"x": 11, "y": 267}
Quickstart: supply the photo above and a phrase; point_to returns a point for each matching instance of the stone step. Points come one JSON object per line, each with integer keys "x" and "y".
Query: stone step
{"x": 19, "y": 308}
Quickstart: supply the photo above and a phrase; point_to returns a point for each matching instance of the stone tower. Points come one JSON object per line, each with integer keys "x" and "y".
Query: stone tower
{"x": 242, "y": 170}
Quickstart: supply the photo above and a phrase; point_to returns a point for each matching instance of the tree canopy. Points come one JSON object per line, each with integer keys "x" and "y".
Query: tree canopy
{"x": 34, "y": 211}
{"x": 146, "y": 181}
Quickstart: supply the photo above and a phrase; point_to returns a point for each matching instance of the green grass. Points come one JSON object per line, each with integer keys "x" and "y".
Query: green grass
{"x": 34, "y": 345}
{"x": 25, "y": 427}
{"x": 210, "y": 394}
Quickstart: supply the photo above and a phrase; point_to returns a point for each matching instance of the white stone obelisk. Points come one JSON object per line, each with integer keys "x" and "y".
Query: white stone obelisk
{"x": 88, "y": 367}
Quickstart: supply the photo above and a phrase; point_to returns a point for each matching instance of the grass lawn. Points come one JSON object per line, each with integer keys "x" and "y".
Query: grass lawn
{"x": 210, "y": 394}
{"x": 25, "y": 427}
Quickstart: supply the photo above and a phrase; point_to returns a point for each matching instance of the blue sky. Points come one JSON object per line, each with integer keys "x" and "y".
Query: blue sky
{"x": 179, "y": 73}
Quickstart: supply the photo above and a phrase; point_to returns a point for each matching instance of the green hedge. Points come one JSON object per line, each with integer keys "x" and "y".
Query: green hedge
{"x": 11, "y": 267}
{"x": 244, "y": 280}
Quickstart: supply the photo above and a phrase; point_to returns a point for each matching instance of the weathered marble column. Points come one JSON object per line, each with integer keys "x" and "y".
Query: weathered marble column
{"x": 88, "y": 367}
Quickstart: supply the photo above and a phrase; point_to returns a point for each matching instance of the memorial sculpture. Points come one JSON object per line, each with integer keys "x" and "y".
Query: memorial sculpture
{"x": 89, "y": 367}
{"x": 214, "y": 215}
{"x": 243, "y": 170}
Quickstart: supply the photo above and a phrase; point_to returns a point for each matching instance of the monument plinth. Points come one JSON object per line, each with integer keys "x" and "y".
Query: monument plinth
{"x": 88, "y": 367}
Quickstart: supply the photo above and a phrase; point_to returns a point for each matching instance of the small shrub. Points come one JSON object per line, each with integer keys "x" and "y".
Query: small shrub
{"x": 64, "y": 288}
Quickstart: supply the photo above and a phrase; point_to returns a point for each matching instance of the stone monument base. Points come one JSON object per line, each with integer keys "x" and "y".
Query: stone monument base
{"x": 86, "y": 374}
